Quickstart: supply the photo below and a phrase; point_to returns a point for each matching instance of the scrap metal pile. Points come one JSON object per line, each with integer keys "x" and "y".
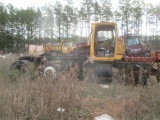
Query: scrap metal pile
{"x": 41, "y": 65}
{"x": 135, "y": 70}
{"x": 103, "y": 51}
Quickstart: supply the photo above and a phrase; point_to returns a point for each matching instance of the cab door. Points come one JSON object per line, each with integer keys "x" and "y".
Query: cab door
{"x": 120, "y": 47}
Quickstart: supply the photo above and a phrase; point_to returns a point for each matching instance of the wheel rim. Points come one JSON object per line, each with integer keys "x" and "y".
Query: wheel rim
{"x": 52, "y": 72}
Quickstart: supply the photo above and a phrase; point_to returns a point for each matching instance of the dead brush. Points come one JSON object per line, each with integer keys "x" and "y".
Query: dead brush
{"x": 67, "y": 98}
{"x": 41, "y": 98}
{"x": 28, "y": 72}
{"x": 145, "y": 105}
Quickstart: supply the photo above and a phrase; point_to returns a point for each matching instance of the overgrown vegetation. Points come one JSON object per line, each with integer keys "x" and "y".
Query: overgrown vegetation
{"x": 77, "y": 100}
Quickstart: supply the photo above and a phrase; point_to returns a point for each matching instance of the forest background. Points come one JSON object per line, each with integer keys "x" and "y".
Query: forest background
{"x": 52, "y": 23}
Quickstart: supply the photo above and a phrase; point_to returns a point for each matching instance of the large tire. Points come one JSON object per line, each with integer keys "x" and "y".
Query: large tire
{"x": 102, "y": 70}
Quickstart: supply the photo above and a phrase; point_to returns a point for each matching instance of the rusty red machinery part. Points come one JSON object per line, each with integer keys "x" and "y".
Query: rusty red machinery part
{"x": 155, "y": 57}
{"x": 137, "y": 69}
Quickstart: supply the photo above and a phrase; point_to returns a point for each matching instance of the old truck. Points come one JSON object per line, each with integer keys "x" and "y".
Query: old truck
{"x": 135, "y": 46}
{"x": 64, "y": 47}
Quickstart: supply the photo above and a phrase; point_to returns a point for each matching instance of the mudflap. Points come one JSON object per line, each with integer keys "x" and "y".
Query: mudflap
{"x": 103, "y": 70}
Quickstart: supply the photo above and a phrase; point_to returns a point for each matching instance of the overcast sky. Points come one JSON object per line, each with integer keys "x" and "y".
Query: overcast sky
{"x": 39, "y": 3}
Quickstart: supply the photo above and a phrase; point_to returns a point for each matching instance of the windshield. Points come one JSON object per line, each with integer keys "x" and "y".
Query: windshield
{"x": 105, "y": 40}
{"x": 133, "y": 41}
{"x": 105, "y": 33}
{"x": 69, "y": 44}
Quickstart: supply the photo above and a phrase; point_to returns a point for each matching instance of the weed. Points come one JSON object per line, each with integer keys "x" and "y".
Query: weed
{"x": 67, "y": 98}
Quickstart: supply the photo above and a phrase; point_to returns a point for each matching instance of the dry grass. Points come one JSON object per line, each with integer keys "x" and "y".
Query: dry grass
{"x": 39, "y": 99}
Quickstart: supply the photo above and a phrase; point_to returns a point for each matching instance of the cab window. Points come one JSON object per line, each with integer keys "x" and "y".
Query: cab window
{"x": 105, "y": 39}
{"x": 133, "y": 41}
{"x": 65, "y": 44}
